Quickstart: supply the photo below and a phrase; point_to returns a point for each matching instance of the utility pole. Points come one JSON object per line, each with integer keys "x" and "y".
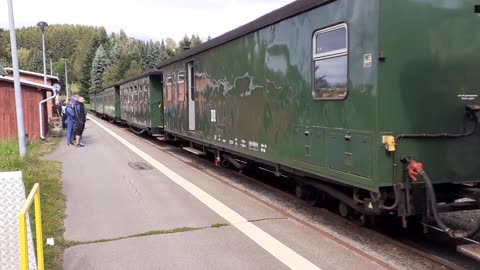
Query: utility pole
{"x": 18, "y": 91}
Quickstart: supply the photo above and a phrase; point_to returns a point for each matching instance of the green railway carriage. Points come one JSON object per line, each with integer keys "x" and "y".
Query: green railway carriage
{"x": 141, "y": 100}
{"x": 100, "y": 102}
{"x": 92, "y": 102}
{"x": 344, "y": 91}
{"x": 110, "y": 101}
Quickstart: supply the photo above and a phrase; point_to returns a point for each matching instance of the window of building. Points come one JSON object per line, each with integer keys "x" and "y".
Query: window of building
{"x": 181, "y": 85}
{"x": 330, "y": 63}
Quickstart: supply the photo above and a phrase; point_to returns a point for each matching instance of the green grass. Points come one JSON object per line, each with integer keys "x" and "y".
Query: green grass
{"x": 149, "y": 233}
{"x": 48, "y": 174}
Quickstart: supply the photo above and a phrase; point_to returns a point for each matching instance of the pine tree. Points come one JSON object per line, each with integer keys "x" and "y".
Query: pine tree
{"x": 183, "y": 44}
{"x": 99, "y": 64}
{"x": 163, "y": 52}
{"x": 196, "y": 40}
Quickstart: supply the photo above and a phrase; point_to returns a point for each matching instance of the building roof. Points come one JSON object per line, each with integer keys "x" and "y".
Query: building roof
{"x": 283, "y": 13}
{"x": 10, "y": 70}
{"x": 29, "y": 83}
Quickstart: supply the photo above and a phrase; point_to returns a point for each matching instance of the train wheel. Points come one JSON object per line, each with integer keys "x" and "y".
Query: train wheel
{"x": 344, "y": 210}
{"x": 307, "y": 193}
{"x": 364, "y": 220}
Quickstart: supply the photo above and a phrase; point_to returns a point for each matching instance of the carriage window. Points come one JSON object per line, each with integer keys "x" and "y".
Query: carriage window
{"x": 169, "y": 87}
{"x": 330, "y": 57}
{"x": 181, "y": 85}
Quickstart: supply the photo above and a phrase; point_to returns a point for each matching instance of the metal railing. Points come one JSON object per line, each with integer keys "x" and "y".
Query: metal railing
{"x": 34, "y": 195}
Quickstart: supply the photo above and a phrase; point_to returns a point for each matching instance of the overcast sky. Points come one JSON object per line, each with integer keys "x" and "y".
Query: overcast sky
{"x": 144, "y": 19}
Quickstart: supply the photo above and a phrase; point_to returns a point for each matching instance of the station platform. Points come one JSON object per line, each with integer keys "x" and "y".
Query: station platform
{"x": 134, "y": 206}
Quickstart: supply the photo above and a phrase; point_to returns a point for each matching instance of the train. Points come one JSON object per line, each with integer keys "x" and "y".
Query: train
{"x": 373, "y": 103}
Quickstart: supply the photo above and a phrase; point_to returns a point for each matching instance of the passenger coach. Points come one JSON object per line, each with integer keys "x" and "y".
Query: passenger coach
{"x": 374, "y": 103}
{"x": 353, "y": 98}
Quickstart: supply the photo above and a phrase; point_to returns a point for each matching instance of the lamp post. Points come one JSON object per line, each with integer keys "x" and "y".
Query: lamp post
{"x": 22, "y": 144}
{"x": 42, "y": 26}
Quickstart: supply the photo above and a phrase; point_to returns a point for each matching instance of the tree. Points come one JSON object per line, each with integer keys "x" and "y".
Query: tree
{"x": 196, "y": 40}
{"x": 163, "y": 52}
{"x": 4, "y": 44}
{"x": 133, "y": 70}
{"x": 183, "y": 44}
{"x": 99, "y": 64}
{"x": 170, "y": 43}
{"x": 152, "y": 55}
{"x": 109, "y": 76}
{"x": 36, "y": 61}
{"x": 24, "y": 56}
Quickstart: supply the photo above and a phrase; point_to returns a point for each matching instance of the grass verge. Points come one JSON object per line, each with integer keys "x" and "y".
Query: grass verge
{"x": 48, "y": 174}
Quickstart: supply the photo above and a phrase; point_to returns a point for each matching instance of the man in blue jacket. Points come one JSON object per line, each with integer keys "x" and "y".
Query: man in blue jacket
{"x": 70, "y": 121}
{"x": 80, "y": 119}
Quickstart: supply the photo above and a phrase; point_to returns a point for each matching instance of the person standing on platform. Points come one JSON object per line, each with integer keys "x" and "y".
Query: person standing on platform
{"x": 70, "y": 121}
{"x": 80, "y": 119}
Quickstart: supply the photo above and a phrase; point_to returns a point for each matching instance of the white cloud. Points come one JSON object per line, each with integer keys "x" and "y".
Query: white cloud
{"x": 143, "y": 19}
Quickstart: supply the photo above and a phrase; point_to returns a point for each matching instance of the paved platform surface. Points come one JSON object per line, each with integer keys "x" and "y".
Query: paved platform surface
{"x": 110, "y": 202}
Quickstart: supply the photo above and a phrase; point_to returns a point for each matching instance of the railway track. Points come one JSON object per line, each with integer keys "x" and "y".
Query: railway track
{"x": 433, "y": 247}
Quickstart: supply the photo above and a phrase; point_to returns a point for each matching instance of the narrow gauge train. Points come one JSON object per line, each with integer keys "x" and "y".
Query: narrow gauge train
{"x": 354, "y": 99}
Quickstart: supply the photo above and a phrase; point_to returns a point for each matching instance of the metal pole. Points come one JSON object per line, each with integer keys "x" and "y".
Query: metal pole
{"x": 44, "y": 60}
{"x": 51, "y": 70}
{"x": 66, "y": 79}
{"x": 18, "y": 91}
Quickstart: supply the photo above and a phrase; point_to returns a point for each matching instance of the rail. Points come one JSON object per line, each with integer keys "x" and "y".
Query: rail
{"x": 33, "y": 196}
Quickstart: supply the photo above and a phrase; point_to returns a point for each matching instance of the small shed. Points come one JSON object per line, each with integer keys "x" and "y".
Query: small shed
{"x": 37, "y": 78}
{"x": 32, "y": 94}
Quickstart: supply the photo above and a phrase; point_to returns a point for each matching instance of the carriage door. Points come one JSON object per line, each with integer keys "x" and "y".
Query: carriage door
{"x": 191, "y": 96}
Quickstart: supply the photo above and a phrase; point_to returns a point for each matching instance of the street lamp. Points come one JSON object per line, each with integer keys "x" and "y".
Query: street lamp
{"x": 42, "y": 26}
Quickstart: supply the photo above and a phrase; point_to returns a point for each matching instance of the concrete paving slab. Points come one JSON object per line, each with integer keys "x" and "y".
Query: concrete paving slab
{"x": 215, "y": 248}
{"x": 107, "y": 198}
{"x": 317, "y": 248}
{"x": 249, "y": 208}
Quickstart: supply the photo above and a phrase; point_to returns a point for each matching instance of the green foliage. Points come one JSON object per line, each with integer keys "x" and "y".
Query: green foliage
{"x": 24, "y": 56}
{"x": 133, "y": 70}
{"x": 99, "y": 64}
{"x": 36, "y": 61}
{"x": 78, "y": 45}
{"x": 4, "y": 45}
{"x": 4, "y": 62}
{"x": 170, "y": 43}
{"x": 196, "y": 41}
{"x": 109, "y": 76}
{"x": 152, "y": 55}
